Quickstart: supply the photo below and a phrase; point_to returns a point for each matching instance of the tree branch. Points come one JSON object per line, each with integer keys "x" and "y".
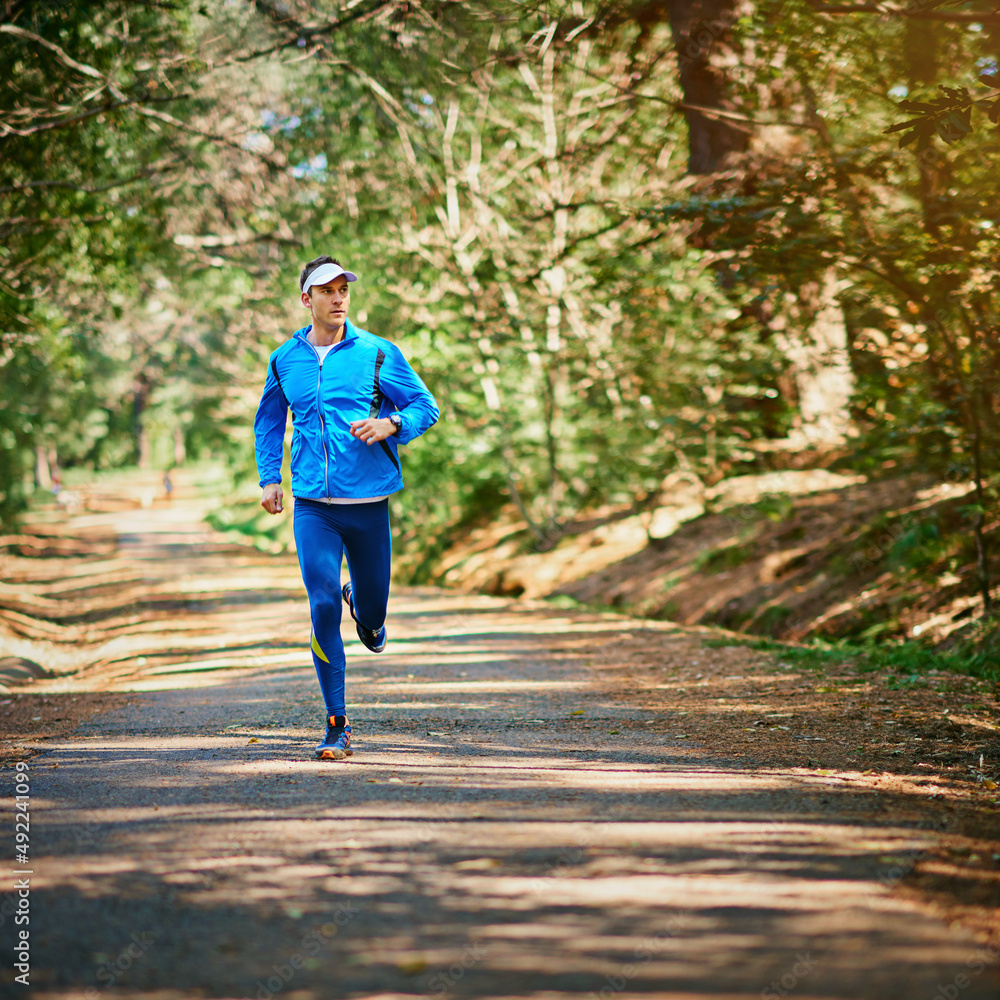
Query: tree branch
{"x": 6, "y": 129}
{"x": 955, "y": 17}
{"x": 141, "y": 175}
{"x": 212, "y": 137}
{"x": 302, "y": 33}
{"x": 64, "y": 57}
{"x": 732, "y": 116}
{"x": 23, "y": 222}
{"x": 232, "y": 241}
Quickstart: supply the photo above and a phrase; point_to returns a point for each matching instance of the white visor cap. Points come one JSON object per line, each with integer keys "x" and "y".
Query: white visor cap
{"x": 327, "y": 272}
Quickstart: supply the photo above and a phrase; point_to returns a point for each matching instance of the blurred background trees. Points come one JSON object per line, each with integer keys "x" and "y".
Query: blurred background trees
{"x": 621, "y": 240}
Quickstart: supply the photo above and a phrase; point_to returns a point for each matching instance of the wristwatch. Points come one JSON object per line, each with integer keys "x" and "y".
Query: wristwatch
{"x": 397, "y": 421}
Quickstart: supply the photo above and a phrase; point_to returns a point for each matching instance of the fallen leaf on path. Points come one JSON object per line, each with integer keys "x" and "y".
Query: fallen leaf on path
{"x": 477, "y": 864}
{"x": 412, "y": 966}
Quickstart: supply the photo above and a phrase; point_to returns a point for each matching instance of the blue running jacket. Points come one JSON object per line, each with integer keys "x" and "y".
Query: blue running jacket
{"x": 362, "y": 376}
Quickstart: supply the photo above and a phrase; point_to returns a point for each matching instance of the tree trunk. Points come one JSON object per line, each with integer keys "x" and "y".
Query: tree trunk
{"x": 703, "y": 41}
{"x": 180, "y": 452}
{"x": 982, "y": 559}
{"x": 43, "y": 473}
{"x": 140, "y": 439}
{"x": 820, "y": 365}
{"x": 920, "y": 46}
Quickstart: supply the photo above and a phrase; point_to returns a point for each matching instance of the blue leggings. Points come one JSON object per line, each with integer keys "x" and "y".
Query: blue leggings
{"x": 323, "y": 533}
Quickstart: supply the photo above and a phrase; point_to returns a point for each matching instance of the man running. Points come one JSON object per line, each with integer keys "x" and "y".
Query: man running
{"x": 354, "y": 399}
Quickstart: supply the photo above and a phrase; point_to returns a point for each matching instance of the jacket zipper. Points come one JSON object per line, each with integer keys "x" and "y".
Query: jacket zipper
{"x": 322, "y": 422}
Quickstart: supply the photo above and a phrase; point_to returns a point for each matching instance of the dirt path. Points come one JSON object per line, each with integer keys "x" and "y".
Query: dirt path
{"x": 516, "y": 820}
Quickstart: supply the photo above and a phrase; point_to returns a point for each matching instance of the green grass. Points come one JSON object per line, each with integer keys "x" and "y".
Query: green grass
{"x": 814, "y": 655}
{"x": 975, "y": 655}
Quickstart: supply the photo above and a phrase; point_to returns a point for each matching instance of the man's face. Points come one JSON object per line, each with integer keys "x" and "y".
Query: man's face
{"x": 328, "y": 303}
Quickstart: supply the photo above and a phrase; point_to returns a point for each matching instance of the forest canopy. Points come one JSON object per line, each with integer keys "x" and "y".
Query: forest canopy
{"x": 622, "y": 241}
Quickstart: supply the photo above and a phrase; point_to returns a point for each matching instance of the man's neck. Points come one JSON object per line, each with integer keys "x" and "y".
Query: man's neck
{"x": 324, "y": 336}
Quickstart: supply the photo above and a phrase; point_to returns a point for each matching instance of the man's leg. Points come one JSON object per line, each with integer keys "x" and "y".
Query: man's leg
{"x": 320, "y": 546}
{"x": 369, "y": 557}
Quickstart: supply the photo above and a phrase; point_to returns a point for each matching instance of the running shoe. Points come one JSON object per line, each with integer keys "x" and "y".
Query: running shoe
{"x": 336, "y": 744}
{"x": 374, "y": 640}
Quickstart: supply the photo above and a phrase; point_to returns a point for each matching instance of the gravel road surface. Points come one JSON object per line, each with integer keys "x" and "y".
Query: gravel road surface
{"x": 507, "y": 827}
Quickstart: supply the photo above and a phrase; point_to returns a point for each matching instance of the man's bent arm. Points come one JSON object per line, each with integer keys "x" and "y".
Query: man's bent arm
{"x": 417, "y": 407}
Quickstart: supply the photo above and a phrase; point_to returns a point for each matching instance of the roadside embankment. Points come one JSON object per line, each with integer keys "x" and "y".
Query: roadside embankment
{"x": 790, "y": 555}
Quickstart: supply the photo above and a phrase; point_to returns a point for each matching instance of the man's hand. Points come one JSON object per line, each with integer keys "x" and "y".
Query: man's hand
{"x": 373, "y": 429}
{"x": 271, "y": 501}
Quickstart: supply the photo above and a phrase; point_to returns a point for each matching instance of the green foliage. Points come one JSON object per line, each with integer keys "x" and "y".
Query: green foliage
{"x": 80, "y": 214}
{"x": 776, "y": 507}
{"x": 948, "y": 116}
{"x": 511, "y": 184}
{"x": 724, "y": 558}
{"x": 920, "y": 547}
{"x": 772, "y": 619}
{"x": 452, "y": 484}
{"x": 252, "y": 523}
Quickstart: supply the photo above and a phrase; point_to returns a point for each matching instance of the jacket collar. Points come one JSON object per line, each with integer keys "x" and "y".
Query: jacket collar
{"x": 350, "y": 332}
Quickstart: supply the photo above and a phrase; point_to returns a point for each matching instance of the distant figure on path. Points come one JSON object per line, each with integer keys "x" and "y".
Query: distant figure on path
{"x": 348, "y": 390}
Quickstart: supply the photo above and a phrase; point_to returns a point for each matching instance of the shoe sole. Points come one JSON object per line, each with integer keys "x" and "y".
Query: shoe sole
{"x": 347, "y": 592}
{"x": 333, "y": 754}
{"x": 374, "y": 649}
